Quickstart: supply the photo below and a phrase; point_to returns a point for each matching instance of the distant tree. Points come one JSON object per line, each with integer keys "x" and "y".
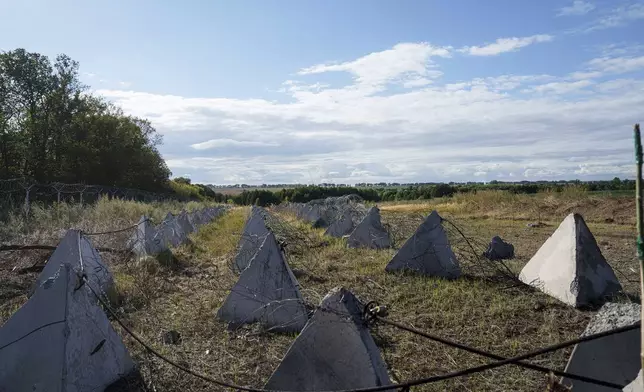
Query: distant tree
{"x": 182, "y": 180}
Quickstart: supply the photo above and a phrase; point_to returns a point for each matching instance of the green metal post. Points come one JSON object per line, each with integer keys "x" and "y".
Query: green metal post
{"x": 640, "y": 215}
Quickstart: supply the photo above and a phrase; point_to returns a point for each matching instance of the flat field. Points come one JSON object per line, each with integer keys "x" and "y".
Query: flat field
{"x": 482, "y": 309}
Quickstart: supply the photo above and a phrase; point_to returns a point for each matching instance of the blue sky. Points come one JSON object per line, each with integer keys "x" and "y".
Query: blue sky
{"x": 353, "y": 91}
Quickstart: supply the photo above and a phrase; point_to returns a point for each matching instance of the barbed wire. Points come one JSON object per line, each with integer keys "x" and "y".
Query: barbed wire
{"x": 400, "y": 386}
{"x": 24, "y": 191}
{"x": 371, "y": 310}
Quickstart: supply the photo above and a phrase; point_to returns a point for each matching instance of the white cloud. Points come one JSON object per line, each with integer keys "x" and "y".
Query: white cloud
{"x": 578, "y": 7}
{"x": 439, "y": 132}
{"x": 125, "y": 84}
{"x": 403, "y": 63}
{"x": 416, "y": 82}
{"x": 609, "y": 65}
{"x": 220, "y": 143}
{"x": 561, "y": 87}
{"x": 503, "y": 45}
{"x": 89, "y": 74}
{"x": 617, "y": 17}
{"x": 617, "y": 65}
{"x": 585, "y": 75}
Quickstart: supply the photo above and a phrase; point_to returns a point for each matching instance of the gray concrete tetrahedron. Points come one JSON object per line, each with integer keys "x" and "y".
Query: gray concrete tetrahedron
{"x": 77, "y": 251}
{"x": 253, "y": 235}
{"x": 341, "y": 226}
{"x": 61, "y": 341}
{"x": 171, "y": 232}
{"x": 370, "y": 233}
{"x": 614, "y": 358}
{"x": 184, "y": 221}
{"x": 427, "y": 252}
{"x": 266, "y": 292}
{"x": 570, "y": 267}
{"x": 334, "y": 351}
{"x": 146, "y": 240}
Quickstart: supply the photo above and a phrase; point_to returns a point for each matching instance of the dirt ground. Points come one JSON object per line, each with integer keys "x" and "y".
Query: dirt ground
{"x": 491, "y": 313}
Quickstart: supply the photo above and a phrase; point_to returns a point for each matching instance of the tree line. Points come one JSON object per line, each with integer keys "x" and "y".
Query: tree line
{"x": 53, "y": 129}
{"x": 303, "y": 194}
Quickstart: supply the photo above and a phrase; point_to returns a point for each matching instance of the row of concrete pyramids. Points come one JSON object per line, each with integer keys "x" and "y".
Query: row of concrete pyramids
{"x": 569, "y": 266}
{"x": 268, "y": 293}
{"x": 345, "y": 217}
{"x": 61, "y": 339}
{"x": 149, "y": 240}
{"x": 427, "y": 251}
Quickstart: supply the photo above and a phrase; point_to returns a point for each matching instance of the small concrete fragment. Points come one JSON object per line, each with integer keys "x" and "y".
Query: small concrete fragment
{"x": 61, "y": 341}
{"x": 614, "y": 358}
{"x": 334, "y": 351}
{"x": 499, "y": 249}
{"x": 427, "y": 252}
{"x": 266, "y": 292}
{"x": 253, "y": 235}
{"x": 370, "y": 233}
{"x": 636, "y": 385}
{"x": 570, "y": 267}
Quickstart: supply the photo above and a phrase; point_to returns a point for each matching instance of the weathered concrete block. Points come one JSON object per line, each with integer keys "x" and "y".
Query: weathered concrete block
{"x": 570, "y": 267}
{"x": 334, "y": 351}
{"x": 427, "y": 252}
{"x": 614, "y": 358}
{"x": 61, "y": 341}
{"x": 370, "y": 233}
{"x": 266, "y": 292}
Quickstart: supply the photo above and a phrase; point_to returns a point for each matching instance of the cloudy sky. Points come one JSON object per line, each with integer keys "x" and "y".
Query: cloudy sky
{"x": 291, "y": 91}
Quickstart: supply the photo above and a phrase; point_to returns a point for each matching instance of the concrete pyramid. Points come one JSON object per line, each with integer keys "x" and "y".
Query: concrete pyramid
{"x": 313, "y": 214}
{"x": 370, "y": 233}
{"x": 334, "y": 351}
{"x": 341, "y": 226}
{"x": 61, "y": 341}
{"x": 252, "y": 237}
{"x": 614, "y": 358}
{"x": 197, "y": 218}
{"x": 146, "y": 241}
{"x": 171, "y": 232}
{"x": 77, "y": 251}
{"x": 184, "y": 221}
{"x": 570, "y": 267}
{"x": 427, "y": 252}
{"x": 266, "y": 292}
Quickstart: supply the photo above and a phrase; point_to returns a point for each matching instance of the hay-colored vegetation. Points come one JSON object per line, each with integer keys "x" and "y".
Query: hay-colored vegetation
{"x": 495, "y": 315}
{"x": 538, "y": 207}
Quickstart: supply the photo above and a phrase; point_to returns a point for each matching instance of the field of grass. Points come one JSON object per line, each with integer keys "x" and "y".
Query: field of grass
{"x": 482, "y": 310}
{"x": 236, "y": 191}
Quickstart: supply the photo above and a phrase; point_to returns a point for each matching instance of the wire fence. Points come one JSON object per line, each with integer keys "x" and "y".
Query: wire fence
{"x": 373, "y": 313}
{"x": 22, "y": 192}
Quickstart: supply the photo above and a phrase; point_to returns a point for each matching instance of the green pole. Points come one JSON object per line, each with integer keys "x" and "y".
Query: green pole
{"x": 640, "y": 224}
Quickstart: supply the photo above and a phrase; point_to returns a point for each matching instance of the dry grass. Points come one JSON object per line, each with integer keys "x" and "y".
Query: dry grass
{"x": 184, "y": 295}
{"x": 48, "y": 225}
{"x": 542, "y": 206}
